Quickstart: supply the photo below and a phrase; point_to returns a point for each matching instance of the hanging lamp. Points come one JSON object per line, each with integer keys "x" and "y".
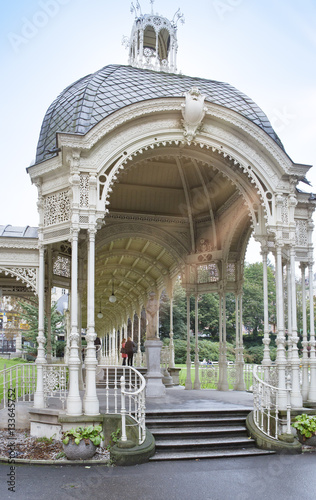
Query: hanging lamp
{"x": 112, "y": 297}
{"x": 100, "y": 315}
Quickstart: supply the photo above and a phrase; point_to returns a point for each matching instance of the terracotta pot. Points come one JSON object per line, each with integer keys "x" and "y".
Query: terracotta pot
{"x": 307, "y": 441}
{"x": 82, "y": 451}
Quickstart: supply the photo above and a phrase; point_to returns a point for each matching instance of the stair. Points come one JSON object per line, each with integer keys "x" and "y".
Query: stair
{"x": 119, "y": 371}
{"x": 189, "y": 434}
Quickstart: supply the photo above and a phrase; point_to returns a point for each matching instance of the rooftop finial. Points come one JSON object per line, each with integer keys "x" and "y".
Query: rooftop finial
{"x": 153, "y": 43}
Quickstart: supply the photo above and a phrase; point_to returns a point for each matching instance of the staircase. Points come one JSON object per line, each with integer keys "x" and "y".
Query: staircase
{"x": 189, "y": 434}
{"x": 114, "y": 375}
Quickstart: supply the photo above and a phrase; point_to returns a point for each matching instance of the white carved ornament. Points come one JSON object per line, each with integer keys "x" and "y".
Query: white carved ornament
{"x": 193, "y": 112}
{"x": 56, "y": 208}
{"x": 84, "y": 190}
{"x": 25, "y": 274}
{"x": 301, "y": 233}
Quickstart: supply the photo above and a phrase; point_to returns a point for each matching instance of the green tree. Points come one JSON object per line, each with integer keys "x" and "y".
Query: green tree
{"x": 253, "y": 305}
{"x": 29, "y": 313}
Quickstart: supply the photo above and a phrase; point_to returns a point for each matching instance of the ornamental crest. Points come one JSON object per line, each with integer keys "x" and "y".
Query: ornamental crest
{"x": 193, "y": 111}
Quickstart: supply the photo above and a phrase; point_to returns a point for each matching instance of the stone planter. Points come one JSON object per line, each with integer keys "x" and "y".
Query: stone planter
{"x": 307, "y": 441}
{"x": 82, "y": 451}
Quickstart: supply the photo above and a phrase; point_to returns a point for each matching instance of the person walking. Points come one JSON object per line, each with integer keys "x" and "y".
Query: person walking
{"x": 123, "y": 352}
{"x": 129, "y": 349}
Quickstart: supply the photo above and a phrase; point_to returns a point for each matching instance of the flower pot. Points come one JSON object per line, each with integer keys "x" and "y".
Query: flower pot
{"x": 306, "y": 441}
{"x": 82, "y": 451}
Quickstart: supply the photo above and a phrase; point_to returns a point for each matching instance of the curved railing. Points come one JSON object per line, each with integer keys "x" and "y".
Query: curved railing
{"x": 272, "y": 407}
{"x": 124, "y": 389}
{"x": 136, "y": 405}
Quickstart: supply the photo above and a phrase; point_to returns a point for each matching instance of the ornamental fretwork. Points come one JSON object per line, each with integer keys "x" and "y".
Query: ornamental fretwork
{"x": 84, "y": 190}
{"x": 231, "y": 272}
{"x": 62, "y": 266}
{"x": 208, "y": 273}
{"x": 25, "y": 274}
{"x": 301, "y": 233}
{"x": 56, "y": 208}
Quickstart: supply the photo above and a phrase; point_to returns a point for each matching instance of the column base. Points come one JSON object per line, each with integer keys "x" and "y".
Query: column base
{"x": 154, "y": 385}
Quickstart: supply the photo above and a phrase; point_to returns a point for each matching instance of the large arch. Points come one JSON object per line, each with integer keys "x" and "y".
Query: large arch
{"x": 145, "y": 195}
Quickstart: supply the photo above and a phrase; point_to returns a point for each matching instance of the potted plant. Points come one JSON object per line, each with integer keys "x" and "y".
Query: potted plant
{"x": 81, "y": 443}
{"x": 306, "y": 428}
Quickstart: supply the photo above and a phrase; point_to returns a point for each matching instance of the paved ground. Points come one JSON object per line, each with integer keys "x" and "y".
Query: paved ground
{"x": 268, "y": 477}
{"x": 262, "y": 478}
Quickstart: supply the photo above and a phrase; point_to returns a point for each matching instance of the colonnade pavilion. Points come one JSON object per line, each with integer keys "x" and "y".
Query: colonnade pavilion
{"x": 145, "y": 175}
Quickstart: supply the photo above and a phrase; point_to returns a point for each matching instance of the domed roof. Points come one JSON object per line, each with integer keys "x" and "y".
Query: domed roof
{"x": 92, "y": 98}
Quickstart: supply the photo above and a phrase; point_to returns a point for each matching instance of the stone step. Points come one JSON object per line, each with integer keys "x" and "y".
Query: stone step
{"x": 215, "y": 442}
{"x": 204, "y": 454}
{"x": 194, "y": 421}
{"x": 162, "y": 433}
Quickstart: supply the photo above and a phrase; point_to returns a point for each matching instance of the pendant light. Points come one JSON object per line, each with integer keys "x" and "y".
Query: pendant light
{"x": 100, "y": 315}
{"x": 112, "y": 298}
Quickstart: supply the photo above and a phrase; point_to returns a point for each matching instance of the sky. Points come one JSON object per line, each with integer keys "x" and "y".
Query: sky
{"x": 264, "y": 48}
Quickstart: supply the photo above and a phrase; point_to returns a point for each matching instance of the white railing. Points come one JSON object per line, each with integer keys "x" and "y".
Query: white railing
{"x": 18, "y": 380}
{"x": 55, "y": 379}
{"x": 209, "y": 375}
{"x": 125, "y": 395}
{"x": 268, "y": 416}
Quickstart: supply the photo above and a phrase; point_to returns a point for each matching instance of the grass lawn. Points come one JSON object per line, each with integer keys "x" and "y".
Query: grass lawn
{"x": 13, "y": 383}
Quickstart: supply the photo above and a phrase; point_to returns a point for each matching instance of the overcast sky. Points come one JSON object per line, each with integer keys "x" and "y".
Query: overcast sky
{"x": 265, "y": 48}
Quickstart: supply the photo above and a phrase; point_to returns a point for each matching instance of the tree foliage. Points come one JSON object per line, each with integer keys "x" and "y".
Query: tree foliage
{"x": 29, "y": 313}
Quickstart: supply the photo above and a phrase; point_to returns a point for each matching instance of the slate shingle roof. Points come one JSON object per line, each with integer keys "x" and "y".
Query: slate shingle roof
{"x": 92, "y": 98}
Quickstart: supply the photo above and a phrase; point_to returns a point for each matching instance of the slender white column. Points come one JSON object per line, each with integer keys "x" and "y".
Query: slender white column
{"x": 305, "y": 381}
{"x": 48, "y": 303}
{"x": 223, "y": 383}
{"x": 74, "y": 403}
{"x": 312, "y": 360}
{"x": 266, "y": 339}
{"x": 90, "y": 400}
{"x": 197, "y": 384}
{"x": 188, "y": 381}
{"x": 132, "y": 327}
{"x": 239, "y": 363}
{"x": 280, "y": 359}
{"x": 138, "y": 359}
{"x": 289, "y": 312}
{"x": 296, "y": 396}
{"x": 171, "y": 344}
{"x": 40, "y": 360}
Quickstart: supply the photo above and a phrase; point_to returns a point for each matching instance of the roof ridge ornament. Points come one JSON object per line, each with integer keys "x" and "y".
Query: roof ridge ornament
{"x": 193, "y": 112}
{"x": 153, "y": 42}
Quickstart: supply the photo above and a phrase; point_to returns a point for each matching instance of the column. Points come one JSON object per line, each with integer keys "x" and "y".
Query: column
{"x": 48, "y": 304}
{"x": 188, "y": 381}
{"x": 305, "y": 381}
{"x": 74, "y": 404}
{"x": 312, "y": 359}
{"x": 280, "y": 359}
{"x": 90, "y": 400}
{"x": 40, "y": 360}
{"x": 296, "y": 396}
{"x": 197, "y": 384}
{"x": 171, "y": 344}
{"x": 222, "y": 380}
{"x": 289, "y": 311}
{"x": 138, "y": 360}
{"x": 266, "y": 362}
{"x": 239, "y": 363}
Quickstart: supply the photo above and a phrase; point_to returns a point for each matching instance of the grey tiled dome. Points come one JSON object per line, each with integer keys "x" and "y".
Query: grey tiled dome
{"x": 86, "y": 102}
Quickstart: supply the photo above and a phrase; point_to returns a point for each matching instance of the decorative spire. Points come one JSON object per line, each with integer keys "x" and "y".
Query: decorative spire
{"x": 153, "y": 42}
